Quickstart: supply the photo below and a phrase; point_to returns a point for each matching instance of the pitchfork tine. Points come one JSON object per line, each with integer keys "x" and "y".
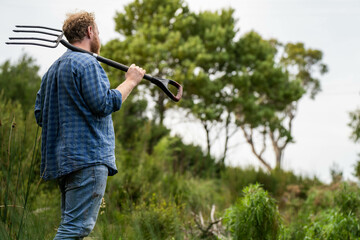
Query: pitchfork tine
{"x": 35, "y": 29}
{"x": 26, "y": 26}
{"x": 31, "y": 38}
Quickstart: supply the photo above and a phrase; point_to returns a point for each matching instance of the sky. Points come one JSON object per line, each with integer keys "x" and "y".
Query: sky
{"x": 320, "y": 127}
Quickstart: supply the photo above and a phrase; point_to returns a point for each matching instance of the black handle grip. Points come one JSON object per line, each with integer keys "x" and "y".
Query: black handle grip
{"x": 161, "y": 83}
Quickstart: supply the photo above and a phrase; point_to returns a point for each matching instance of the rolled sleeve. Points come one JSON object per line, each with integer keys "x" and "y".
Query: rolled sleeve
{"x": 117, "y": 99}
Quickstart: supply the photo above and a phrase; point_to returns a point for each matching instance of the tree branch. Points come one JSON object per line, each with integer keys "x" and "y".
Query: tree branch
{"x": 249, "y": 139}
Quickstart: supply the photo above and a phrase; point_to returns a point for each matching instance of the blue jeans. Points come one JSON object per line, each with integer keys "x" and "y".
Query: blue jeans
{"x": 81, "y": 195}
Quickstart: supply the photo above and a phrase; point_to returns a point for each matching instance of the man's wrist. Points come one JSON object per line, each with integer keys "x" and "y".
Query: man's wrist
{"x": 126, "y": 87}
{"x": 132, "y": 83}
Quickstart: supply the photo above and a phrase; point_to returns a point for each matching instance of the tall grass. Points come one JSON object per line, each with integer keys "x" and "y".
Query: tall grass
{"x": 19, "y": 181}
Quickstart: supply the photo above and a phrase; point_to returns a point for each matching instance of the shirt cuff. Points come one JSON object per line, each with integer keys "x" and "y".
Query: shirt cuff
{"x": 117, "y": 99}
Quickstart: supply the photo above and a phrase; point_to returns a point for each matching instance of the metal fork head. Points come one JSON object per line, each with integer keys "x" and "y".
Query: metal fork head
{"x": 36, "y": 40}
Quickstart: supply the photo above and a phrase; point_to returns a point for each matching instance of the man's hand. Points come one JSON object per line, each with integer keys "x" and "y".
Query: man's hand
{"x": 133, "y": 77}
{"x": 135, "y": 74}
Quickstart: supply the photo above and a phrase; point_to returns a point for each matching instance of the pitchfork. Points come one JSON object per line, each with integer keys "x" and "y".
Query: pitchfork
{"x": 53, "y": 43}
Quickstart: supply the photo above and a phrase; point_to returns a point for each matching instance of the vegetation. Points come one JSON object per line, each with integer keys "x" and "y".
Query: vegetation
{"x": 166, "y": 188}
{"x": 254, "y": 216}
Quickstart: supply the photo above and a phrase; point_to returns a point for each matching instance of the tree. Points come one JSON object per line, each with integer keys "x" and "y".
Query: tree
{"x": 301, "y": 64}
{"x": 267, "y": 91}
{"x": 21, "y": 81}
{"x": 204, "y": 92}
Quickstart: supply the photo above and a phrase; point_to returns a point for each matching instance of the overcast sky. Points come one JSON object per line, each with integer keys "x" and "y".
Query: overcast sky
{"x": 320, "y": 129}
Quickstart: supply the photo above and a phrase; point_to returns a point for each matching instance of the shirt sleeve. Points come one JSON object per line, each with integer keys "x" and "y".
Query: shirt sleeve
{"x": 96, "y": 91}
{"x": 37, "y": 111}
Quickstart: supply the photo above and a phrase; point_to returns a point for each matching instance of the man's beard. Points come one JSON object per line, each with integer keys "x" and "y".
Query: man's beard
{"x": 95, "y": 46}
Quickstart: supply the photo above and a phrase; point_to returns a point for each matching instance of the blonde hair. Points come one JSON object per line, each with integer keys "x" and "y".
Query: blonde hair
{"x": 76, "y": 24}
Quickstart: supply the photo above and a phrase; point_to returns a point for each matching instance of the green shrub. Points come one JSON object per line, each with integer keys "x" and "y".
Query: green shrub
{"x": 157, "y": 219}
{"x": 254, "y": 216}
{"x": 347, "y": 198}
{"x": 329, "y": 212}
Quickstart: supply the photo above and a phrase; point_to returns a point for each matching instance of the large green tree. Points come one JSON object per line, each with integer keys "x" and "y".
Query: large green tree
{"x": 268, "y": 91}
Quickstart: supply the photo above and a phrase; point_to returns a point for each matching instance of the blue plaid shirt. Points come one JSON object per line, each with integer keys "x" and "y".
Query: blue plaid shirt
{"x": 73, "y": 107}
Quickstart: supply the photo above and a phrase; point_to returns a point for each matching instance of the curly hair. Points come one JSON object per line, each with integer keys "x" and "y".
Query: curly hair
{"x": 76, "y": 24}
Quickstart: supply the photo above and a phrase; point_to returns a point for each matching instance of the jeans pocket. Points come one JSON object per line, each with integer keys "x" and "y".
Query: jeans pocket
{"x": 74, "y": 180}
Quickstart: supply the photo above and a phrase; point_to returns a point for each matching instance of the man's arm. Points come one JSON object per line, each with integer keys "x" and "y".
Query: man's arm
{"x": 101, "y": 100}
{"x": 133, "y": 77}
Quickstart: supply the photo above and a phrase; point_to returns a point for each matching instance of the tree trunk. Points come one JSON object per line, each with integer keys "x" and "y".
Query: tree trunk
{"x": 278, "y": 156}
{"x": 227, "y": 136}
{"x": 207, "y": 131}
{"x": 160, "y": 107}
{"x": 278, "y": 150}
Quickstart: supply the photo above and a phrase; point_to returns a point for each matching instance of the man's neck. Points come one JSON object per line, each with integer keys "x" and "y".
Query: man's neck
{"x": 84, "y": 44}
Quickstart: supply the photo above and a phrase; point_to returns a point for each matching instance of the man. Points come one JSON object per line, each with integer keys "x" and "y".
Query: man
{"x": 74, "y": 106}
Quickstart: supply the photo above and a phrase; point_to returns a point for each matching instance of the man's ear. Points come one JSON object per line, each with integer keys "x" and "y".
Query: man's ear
{"x": 89, "y": 31}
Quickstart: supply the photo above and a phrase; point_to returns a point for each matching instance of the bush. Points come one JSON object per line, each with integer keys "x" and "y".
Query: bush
{"x": 157, "y": 219}
{"x": 329, "y": 212}
{"x": 347, "y": 198}
{"x": 254, "y": 216}
{"x": 333, "y": 225}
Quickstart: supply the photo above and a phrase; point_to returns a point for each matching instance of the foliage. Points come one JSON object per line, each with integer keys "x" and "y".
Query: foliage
{"x": 339, "y": 221}
{"x": 129, "y": 120}
{"x": 254, "y": 216}
{"x": 157, "y": 219}
{"x": 20, "y": 81}
{"x": 329, "y": 212}
{"x": 266, "y": 91}
{"x": 334, "y": 225}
